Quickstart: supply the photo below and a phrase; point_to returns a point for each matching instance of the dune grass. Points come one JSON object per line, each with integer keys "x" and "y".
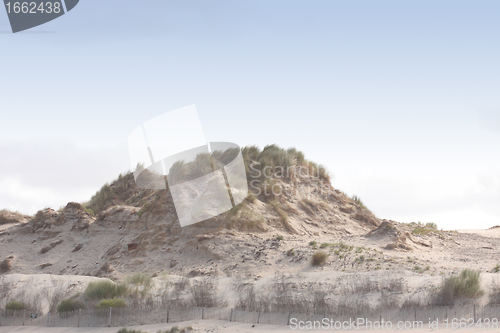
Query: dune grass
{"x": 104, "y": 290}
{"x": 467, "y": 284}
{"x": 111, "y": 303}
{"x": 69, "y": 304}
{"x": 319, "y": 258}
{"x": 14, "y": 305}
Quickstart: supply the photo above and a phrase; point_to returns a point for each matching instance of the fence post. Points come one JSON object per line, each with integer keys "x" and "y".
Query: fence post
{"x": 475, "y": 320}
{"x": 48, "y": 319}
{"x": 167, "y": 315}
{"x": 24, "y": 313}
{"x": 231, "y": 316}
{"x": 79, "y": 315}
{"x": 110, "y": 316}
{"x": 202, "y": 313}
{"x": 288, "y": 320}
{"x": 258, "y": 318}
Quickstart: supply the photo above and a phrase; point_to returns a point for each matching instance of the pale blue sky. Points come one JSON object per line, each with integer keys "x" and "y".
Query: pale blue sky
{"x": 399, "y": 99}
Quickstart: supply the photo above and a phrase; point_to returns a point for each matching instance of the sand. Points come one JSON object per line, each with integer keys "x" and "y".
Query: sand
{"x": 214, "y": 326}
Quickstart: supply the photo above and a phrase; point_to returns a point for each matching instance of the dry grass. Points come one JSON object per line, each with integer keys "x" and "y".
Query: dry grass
{"x": 5, "y": 265}
{"x": 111, "y": 303}
{"x": 69, "y": 305}
{"x": 103, "y": 290}
{"x": 494, "y": 297}
{"x": 205, "y": 294}
{"x": 366, "y": 216}
{"x": 319, "y": 258}
{"x": 308, "y": 206}
{"x": 466, "y": 285}
{"x": 7, "y": 216}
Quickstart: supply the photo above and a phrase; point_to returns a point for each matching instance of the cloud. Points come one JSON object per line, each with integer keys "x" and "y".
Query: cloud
{"x": 453, "y": 201}
{"x": 490, "y": 119}
{"x": 47, "y": 172}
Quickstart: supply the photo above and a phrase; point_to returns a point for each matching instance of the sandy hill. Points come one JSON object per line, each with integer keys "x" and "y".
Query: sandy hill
{"x": 290, "y": 215}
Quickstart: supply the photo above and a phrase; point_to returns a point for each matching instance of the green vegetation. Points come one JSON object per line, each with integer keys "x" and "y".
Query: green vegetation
{"x": 418, "y": 269}
{"x": 104, "y": 289}
{"x": 176, "y": 329}
{"x": 109, "y": 196}
{"x": 277, "y": 162}
{"x": 5, "y": 265}
{"x": 139, "y": 279}
{"x": 125, "y": 330}
{"x": 357, "y": 200}
{"x": 431, "y": 225}
{"x": 496, "y": 269}
{"x": 280, "y": 238}
{"x": 290, "y": 252}
{"x": 359, "y": 259}
{"x": 324, "y": 245}
{"x": 313, "y": 243}
{"x": 14, "y": 305}
{"x": 422, "y": 231}
{"x": 69, "y": 304}
{"x": 319, "y": 258}
{"x": 111, "y": 303}
{"x": 465, "y": 285}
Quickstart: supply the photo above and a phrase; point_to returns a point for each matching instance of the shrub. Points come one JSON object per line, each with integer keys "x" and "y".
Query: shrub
{"x": 111, "y": 303}
{"x": 69, "y": 304}
{"x": 357, "y": 201}
{"x": 324, "y": 245}
{"x": 140, "y": 279}
{"x": 125, "y": 330}
{"x": 418, "y": 269}
{"x": 176, "y": 329}
{"x": 104, "y": 289}
{"x": 5, "y": 265}
{"x": 14, "y": 305}
{"x": 494, "y": 298}
{"x": 465, "y": 285}
{"x": 319, "y": 258}
{"x": 431, "y": 225}
{"x": 422, "y": 231}
{"x": 313, "y": 243}
{"x": 280, "y": 238}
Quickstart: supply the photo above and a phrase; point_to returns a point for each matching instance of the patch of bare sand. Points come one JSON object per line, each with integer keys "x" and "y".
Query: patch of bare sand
{"x": 493, "y": 232}
{"x": 205, "y": 326}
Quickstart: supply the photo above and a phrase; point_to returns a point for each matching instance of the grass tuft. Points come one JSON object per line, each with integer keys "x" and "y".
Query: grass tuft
{"x": 111, "y": 303}
{"x": 104, "y": 289}
{"x": 319, "y": 258}
{"x": 14, "y": 305}
{"x": 69, "y": 304}
{"x": 467, "y": 284}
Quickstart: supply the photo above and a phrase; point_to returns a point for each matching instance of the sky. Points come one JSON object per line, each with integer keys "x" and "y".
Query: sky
{"x": 398, "y": 99}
